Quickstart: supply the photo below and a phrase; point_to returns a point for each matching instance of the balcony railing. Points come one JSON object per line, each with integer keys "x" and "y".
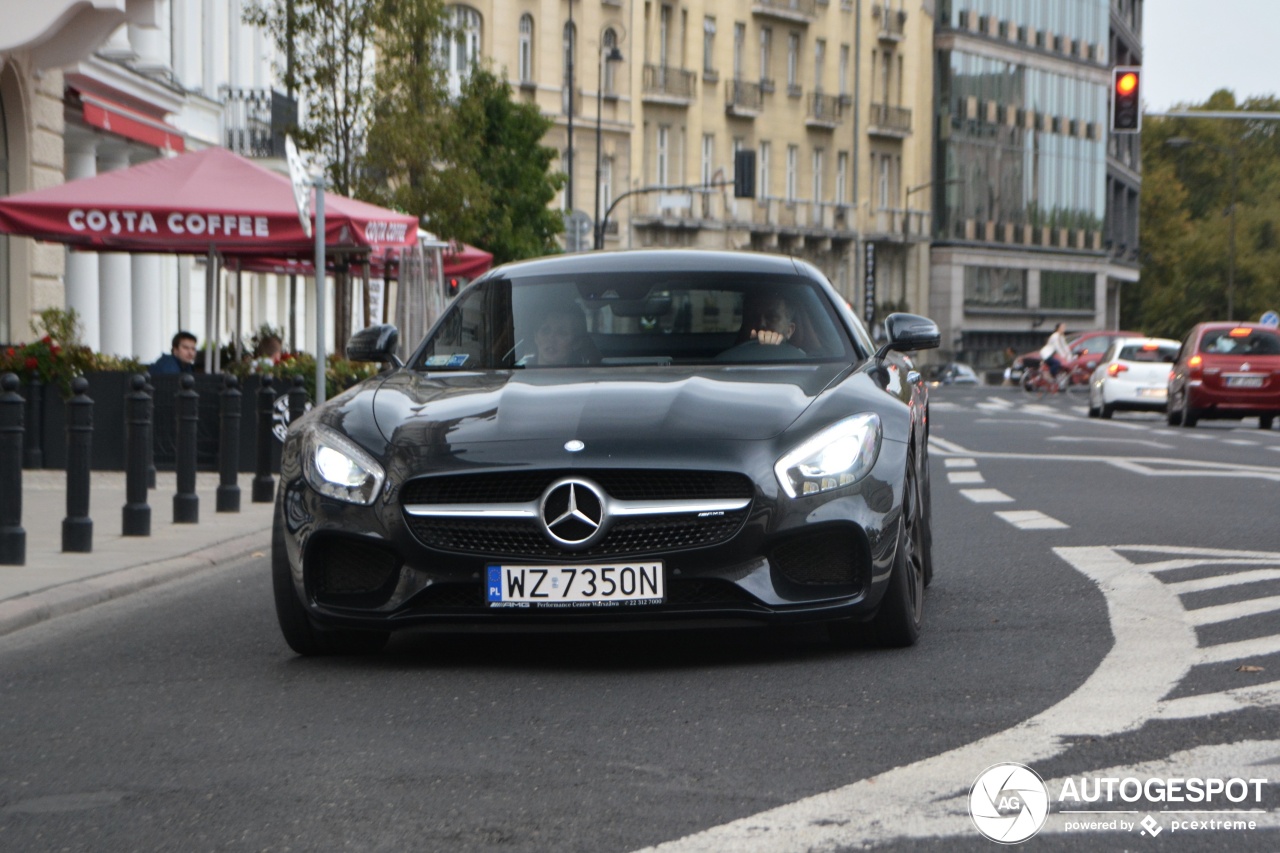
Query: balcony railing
{"x": 824, "y": 110}
{"x": 255, "y": 121}
{"x": 668, "y": 82}
{"x": 893, "y": 22}
{"x": 893, "y": 120}
{"x": 743, "y": 97}
{"x": 791, "y": 10}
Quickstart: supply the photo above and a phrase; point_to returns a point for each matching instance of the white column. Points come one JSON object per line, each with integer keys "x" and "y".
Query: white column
{"x": 82, "y": 267}
{"x": 115, "y": 274}
{"x": 149, "y": 341}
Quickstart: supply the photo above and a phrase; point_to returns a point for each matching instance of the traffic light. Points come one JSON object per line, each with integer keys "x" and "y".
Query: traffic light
{"x": 452, "y": 285}
{"x": 1126, "y": 99}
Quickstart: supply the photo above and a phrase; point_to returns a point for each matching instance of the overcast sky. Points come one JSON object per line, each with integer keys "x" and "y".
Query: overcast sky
{"x": 1192, "y": 48}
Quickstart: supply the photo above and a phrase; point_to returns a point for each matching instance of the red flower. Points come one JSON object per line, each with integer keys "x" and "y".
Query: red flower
{"x": 31, "y": 363}
{"x": 46, "y": 340}
{"x": 10, "y": 352}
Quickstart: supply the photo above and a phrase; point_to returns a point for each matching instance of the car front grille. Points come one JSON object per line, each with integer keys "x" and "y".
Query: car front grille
{"x": 524, "y": 537}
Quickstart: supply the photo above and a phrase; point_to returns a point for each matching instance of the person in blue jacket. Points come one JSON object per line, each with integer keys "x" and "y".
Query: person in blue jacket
{"x": 181, "y": 359}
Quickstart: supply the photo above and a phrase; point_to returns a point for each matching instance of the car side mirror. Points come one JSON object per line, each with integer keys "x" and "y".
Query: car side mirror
{"x": 376, "y": 343}
{"x": 909, "y": 332}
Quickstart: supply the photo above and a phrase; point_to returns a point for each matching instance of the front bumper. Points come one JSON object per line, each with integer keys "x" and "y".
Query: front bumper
{"x": 819, "y": 558}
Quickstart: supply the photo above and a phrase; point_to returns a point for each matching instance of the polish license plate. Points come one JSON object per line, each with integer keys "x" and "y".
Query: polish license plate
{"x": 575, "y": 587}
{"x": 1152, "y": 392}
{"x": 1244, "y": 381}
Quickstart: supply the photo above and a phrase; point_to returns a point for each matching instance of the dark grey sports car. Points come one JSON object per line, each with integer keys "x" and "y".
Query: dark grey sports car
{"x": 616, "y": 440}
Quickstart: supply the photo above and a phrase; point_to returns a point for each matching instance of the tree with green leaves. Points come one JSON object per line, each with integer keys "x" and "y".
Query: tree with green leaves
{"x": 329, "y": 43}
{"x": 1202, "y": 180}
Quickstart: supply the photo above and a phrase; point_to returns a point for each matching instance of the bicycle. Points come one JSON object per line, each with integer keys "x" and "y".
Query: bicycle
{"x": 1041, "y": 381}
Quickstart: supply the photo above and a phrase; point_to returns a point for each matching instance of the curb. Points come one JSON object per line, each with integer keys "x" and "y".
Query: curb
{"x": 33, "y": 608}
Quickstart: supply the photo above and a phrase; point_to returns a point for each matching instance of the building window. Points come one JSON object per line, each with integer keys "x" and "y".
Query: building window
{"x": 606, "y": 184}
{"x": 708, "y": 158}
{"x": 463, "y": 49}
{"x": 817, "y": 175}
{"x": 842, "y": 177}
{"x": 882, "y": 180}
{"x": 661, "y": 154}
{"x": 709, "y": 45}
{"x": 568, "y": 47}
{"x": 609, "y": 41}
{"x": 739, "y": 46}
{"x": 793, "y": 60}
{"x": 766, "y": 48}
{"x": 664, "y": 35}
{"x": 1070, "y": 291}
{"x": 844, "y": 69}
{"x": 526, "y": 48}
{"x": 762, "y": 185}
{"x": 793, "y": 166}
{"x": 819, "y": 58}
{"x": 995, "y": 287}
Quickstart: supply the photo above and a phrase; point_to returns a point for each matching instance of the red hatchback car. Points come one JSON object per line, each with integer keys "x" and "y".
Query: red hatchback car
{"x": 1226, "y": 370}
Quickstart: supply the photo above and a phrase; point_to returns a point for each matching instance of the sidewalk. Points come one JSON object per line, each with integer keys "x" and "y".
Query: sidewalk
{"x": 53, "y": 583}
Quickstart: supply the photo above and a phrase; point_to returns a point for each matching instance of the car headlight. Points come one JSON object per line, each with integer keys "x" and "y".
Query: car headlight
{"x": 839, "y": 455}
{"x": 336, "y": 467}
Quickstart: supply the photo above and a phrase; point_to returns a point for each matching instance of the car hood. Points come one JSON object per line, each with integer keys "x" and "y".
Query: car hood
{"x": 635, "y": 404}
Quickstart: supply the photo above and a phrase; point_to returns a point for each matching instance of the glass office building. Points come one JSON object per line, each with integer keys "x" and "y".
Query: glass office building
{"x": 1021, "y": 159}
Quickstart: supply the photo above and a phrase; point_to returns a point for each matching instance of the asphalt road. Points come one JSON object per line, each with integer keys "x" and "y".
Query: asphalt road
{"x": 1057, "y": 636}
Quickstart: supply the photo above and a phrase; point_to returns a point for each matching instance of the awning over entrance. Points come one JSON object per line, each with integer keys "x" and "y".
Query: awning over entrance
{"x": 116, "y": 118}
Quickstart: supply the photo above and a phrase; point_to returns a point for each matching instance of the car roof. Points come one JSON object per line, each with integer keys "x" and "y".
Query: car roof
{"x": 1227, "y": 324}
{"x": 659, "y": 260}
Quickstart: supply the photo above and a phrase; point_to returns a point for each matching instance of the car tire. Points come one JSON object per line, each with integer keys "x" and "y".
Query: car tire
{"x": 1189, "y": 415}
{"x": 1107, "y": 411}
{"x": 1028, "y": 382}
{"x": 897, "y": 622}
{"x": 301, "y": 635}
{"x": 1265, "y": 421}
{"x": 1172, "y": 414}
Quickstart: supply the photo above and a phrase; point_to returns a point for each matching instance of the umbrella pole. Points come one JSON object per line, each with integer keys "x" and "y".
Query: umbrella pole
{"x": 210, "y": 276}
{"x": 319, "y": 270}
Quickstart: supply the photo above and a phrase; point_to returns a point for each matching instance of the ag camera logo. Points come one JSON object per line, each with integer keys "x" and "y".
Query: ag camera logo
{"x": 1008, "y": 803}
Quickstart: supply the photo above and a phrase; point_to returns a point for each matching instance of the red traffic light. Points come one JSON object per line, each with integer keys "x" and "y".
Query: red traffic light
{"x": 1126, "y": 99}
{"x": 1127, "y": 83}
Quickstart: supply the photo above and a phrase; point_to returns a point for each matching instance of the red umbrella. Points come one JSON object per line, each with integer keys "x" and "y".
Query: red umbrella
{"x": 206, "y": 200}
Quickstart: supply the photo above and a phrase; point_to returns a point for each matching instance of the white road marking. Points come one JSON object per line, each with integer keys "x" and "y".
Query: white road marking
{"x": 1076, "y": 438}
{"x": 1234, "y": 610}
{"x": 1192, "y": 707}
{"x": 1243, "y": 442}
{"x": 964, "y": 477}
{"x": 1030, "y": 519}
{"x": 1003, "y": 421}
{"x": 927, "y": 798}
{"x": 1220, "y": 581}
{"x": 943, "y": 446}
{"x": 1240, "y": 650}
{"x": 961, "y": 462}
{"x": 998, "y": 402}
{"x": 986, "y": 496}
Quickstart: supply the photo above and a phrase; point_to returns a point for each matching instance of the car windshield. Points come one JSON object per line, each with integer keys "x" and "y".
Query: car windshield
{"x": 1240, "y": 341}
{"x": 1149, "y": 352}
{"x": 622, "y": 318}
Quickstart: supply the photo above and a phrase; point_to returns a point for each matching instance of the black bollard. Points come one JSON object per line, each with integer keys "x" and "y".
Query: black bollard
{"x": 137, "y": 411}
{"x": 33, "y": 447}
{"x": 186, "y": 503}
{"x": 264, "y": 485}
{"x": 151, "y": 430}
{"x": 13, "y": 539}
{"x": 77, "y": 527}
{"x": 297, "y": 400}
{"x": 229, "y": 447}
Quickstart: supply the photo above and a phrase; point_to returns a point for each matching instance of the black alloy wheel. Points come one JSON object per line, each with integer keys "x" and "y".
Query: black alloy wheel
{"x": 897, "y": 623}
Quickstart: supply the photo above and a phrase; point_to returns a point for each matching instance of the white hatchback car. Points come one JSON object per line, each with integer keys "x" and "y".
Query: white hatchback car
{"x": 1133, "y": 374}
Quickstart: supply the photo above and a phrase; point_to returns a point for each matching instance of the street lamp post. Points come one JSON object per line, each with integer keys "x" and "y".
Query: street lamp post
{"x": 607, "y": 55}
{"x": 1186, "y": 142}
{"x": 572, "y": 39}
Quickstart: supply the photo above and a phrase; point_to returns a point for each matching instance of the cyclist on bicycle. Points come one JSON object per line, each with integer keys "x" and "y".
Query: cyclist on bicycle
{"x": 1055, "y": 351}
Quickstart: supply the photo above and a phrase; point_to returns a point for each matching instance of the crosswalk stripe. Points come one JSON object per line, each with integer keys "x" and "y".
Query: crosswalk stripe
{"x": 1191, "y": 707}
{"x": 1234, "y": 610}
{"x": 960, "y": 462}
{"x": 1030, "y": 519}
{"x": 1240, "y": 650}
{"x": 1220, "y": 581}
{"x": 986, "y": 496}
{"x": 965, "y": 477}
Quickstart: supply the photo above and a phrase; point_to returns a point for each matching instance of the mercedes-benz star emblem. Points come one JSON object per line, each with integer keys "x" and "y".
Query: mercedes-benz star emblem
{"x": 572, "y": 513}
